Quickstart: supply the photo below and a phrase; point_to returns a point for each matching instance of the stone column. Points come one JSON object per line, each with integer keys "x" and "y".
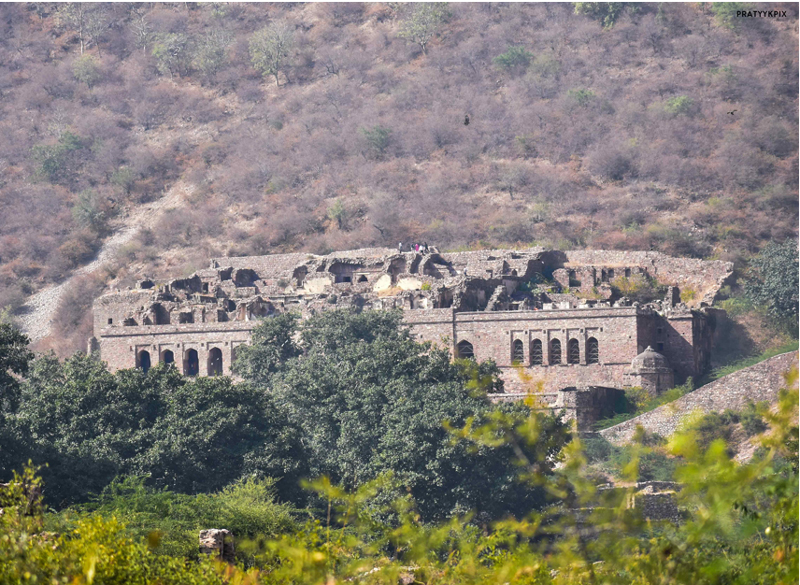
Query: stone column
{"x": 217, "y": 542}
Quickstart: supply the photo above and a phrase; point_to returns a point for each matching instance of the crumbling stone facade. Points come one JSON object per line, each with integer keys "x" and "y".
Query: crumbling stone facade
{"x": 560, "y": 316}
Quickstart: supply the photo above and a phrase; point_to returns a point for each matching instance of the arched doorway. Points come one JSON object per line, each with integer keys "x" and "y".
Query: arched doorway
{"x": 555, "y": 352}
{"x": 592, "y": 351}
{"x": 144, "y": 360}
{"x": 215, "y": 362}
{"x": 536, "y": 352}
{"x": 464, "y": 350}
{"x": 191, "y": 363}
{"x": 573, "y": 352}
{"x": 167, "y": 357}
{"x": 518, "y": 353}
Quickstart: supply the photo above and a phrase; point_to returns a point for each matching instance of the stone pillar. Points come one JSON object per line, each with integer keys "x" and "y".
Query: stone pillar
{"x": 217, "y": 542}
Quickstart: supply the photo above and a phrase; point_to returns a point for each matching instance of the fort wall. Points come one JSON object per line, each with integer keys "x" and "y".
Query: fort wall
{"x": 754, "y": 384}
{"x": 554, "y": 315}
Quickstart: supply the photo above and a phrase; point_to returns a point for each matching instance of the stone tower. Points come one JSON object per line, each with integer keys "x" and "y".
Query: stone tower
{"x": 651, "y": 371}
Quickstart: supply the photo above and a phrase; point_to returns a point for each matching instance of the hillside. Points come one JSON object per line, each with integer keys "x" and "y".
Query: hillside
{"x": 580, "y": 135}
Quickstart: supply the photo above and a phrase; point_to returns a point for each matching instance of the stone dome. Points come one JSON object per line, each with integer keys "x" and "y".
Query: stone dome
{"x": 650, "y": 361}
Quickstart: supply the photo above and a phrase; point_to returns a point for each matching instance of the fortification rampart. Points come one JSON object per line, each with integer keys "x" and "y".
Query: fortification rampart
{"x": 558, "y": 315}
{"x": 754, "y": 384}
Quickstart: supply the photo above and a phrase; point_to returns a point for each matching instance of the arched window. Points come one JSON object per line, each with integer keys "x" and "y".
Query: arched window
{"x": 191, "y": 363}
{"x": 168, "y": 357}
{"x": 592, "y": 351}
{"x": 518, "y": 355}
{"x": 144, "y": 360}
{"x": 464, "y": 349}
{"x": 536, "y": 352}
{"x": 555, "y": 352}
{"x": 215, "y": 362}
{"x": 573, "y": 352}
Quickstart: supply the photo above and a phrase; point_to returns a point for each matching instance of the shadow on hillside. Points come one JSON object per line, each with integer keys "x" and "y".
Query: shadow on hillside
{"x": 732, "y": 342}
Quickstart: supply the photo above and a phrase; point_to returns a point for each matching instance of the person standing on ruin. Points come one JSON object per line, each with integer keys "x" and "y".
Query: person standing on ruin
{"x": 400, "y": 247}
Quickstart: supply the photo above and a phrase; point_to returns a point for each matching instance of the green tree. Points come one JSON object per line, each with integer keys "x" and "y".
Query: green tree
{"x": 514, "y": 59}
{"x": 15, "y": 358}
{"x": 190, "y": 435}
{"x": 248, "y": 508}
{"x": 378, "y": 139}
{"x": 86, "y": 69}
{"x": 172, "y": 54}
{"x": 124, "y": 177}
{"x": 678, "y": 105}
{"x": 725, "y": 12}
{"x": 210, "y": 54}
{"x": 273, "y": 343}
{"x": 270, "y": 48}
{"x": 212, "y": 432}
{"x": 88, "y": 211}
{"x": 423, "y": 23}
{"x": 58, "y": 163}
{"x": 773, "y": 281}
{"x": 583, "y": 97}
{"x": 605, "y": 12}
{"x": 338, "y": 212}
{"x": 369, "y": 400}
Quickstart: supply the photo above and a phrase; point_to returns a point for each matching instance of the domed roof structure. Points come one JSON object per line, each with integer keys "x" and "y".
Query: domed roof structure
{"x": 650, "y": 361}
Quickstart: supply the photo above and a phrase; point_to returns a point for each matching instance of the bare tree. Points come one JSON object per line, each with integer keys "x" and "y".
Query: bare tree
{"x": 141, "y": 28}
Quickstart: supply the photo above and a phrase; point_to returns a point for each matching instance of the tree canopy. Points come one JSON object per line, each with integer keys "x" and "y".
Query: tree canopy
{"x": 773, "y": 280}
{"x": 369, "y": 400}
{"x": 189, "y": 435}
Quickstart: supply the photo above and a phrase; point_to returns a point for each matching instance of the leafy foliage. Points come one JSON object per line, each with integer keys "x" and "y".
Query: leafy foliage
{"x": 423, "y": 23}
{"x": 606, "y": 12}
{"x": 172, "y": 54}
{"x": 15, "y": 358}
{"x": 638, "y": 401}
{"x": 89, "y": 426}
{"x": 738, "y": 525}
{"x": 773, "y": 281}
{"x": 638, "y": 288}
{"x": 378, "y": 139}
{"x": 725, "y": 12}
{"x": 515, "y": 58}
{"x": 246, "y": 508}
{"x": 270, "y": 49}
{"x": 370, "y": 401}
{"x": 86, "y": 69}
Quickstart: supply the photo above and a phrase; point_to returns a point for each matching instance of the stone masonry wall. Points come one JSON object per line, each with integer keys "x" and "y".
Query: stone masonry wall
{"x": 480, "y": 301}
{"x": 492, "y": 336}
{"x": 120, "y": 348}
{"x": 704, "y": 276}
{"x": 756, "y": 383}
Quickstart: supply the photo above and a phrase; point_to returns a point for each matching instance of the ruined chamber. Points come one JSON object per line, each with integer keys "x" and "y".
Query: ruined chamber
{"x": 562, "y": 318}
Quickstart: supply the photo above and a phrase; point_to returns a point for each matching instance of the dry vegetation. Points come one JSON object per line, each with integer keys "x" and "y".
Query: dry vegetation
{"x": 579, "y": 135}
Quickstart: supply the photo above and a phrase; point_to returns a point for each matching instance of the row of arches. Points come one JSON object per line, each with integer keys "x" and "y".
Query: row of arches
{"x": 555, "y": 356}
{"x": 191, "y": 361}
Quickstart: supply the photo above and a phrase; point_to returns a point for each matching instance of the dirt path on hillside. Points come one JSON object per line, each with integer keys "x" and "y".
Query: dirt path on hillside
{"x": 38, "y": 312}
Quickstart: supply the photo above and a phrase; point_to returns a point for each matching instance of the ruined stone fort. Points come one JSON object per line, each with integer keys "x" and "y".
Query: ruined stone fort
{"x": 561, "y": 317}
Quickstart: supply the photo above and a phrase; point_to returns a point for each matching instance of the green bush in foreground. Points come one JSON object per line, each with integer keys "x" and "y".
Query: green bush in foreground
{"x": 740, "y": 527}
